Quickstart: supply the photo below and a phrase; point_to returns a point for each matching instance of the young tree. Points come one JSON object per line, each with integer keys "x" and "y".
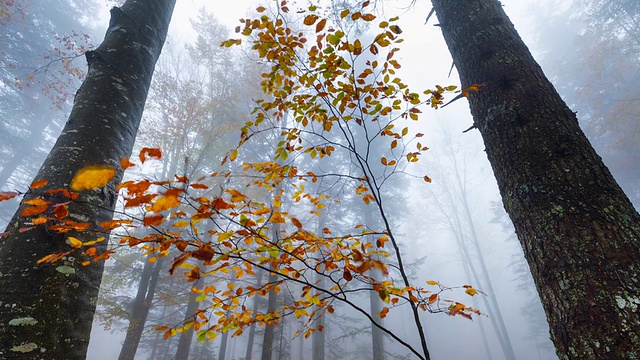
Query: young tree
{"x": 578, "y": 229}
{"x": 48, "y": 310}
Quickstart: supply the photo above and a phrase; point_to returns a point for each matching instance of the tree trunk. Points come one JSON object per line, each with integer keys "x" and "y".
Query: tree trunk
{"x": 375, "y": 303}
{"x": 578, "y": 229}
{"x": 252, "y": 327}
{"x": 186, "y": 338}
{"x": 269, "y": 330}
{"x": 141, "y": 305}
{"x": 47, "y": 312}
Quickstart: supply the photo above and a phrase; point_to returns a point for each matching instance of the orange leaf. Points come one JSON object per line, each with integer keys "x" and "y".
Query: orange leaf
{"x": 38, "y": 184}
{"x": 368, "y": 17}
{"x": 60, "y": 211}
{"x": 199, "y": 186}
{"x": 34, "y": 210}
{"x": 427, "y": 179}
{"x": 150, "y": 152}
{"x": 92, "y": 177}
{"x": 125, "y": 163}
{"x": 296, "y": 222}
{"x": 310, "y": 19}
{"x": 347, "y": 275}
{"x": 7, "y": 195}
{"x": 40, "y": 220}
{"x": 384, "y": 312}
{"x": 433, "y": 298}
{"x": 110, "y": 225}
{"x": 320, "y": 25}
{"x": 153, "y": 220}
{"x": 220, "y": 204}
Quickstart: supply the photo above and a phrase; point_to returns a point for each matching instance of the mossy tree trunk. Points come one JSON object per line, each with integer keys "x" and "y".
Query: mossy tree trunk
{"x": 47, "y": 313}
{"x": 579, "y": 231}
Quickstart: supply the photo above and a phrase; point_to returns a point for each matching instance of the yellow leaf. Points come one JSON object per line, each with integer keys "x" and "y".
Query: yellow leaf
{"x": 75, "y": 243}
{"x": 432, "y": 282}
{"x": 92, "y": 177}
{"x": 344, "y": 13}
{"x": 236, "y": 196}
{"x": 167, "y": 201}
{"x": 299, "y": 312}
{"x": 180, "y": 224}
{"x": 471, "y": 291}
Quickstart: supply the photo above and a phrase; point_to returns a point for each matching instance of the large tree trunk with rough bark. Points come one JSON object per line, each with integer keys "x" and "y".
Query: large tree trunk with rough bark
{"x": 47, "y": 311}
{"x": 578, "y": 229}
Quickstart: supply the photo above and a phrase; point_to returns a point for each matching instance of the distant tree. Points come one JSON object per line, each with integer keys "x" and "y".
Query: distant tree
{"x": 54, "y": 305}
{"x": 578, "y": 229}
{"x": 41, "y": 45}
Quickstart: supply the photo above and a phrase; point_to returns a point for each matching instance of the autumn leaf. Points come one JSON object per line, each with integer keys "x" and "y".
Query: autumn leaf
{"x": 150, "y": 152}
{"x": 7, "y": 195}
{"x": 347, "y": 275}
{"x": 60, "y": 211}
{"x": 199, "y": 186}
{"x": 320, "y": 25}
{"x": 39, "y": 206}
{"x": 470, "y": 290}
{"x": 300, "y": 312}
{"x": 167, "y": 201}
{"x": 432, "y": 282}
{"x": 75, "y": 243}
{"x": 368, "y": 17}
{"x": 433, "y": 298}
{"x": 427, "y": 179}
{"x": 383, "y": 313}
{"x": 153, "y": 220}
{"x": 38, "y": 184}
{"x": 310, "y": 19}
{"x": 92, "y": 177}
{"x": 125, "y": 163}
{"x": 296, "y": 223}
{"x": 236, "y": 196}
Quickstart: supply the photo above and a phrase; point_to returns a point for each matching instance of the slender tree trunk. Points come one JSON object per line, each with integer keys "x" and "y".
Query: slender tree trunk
{"x": 46, "y": 312}
{"x": 375, "y": 303}
{"x": 269, "y": 331}
{"x": 579, "y": 231}
{"x": 252, "y": 329}
{"x": 186, "y": 338}
{"x": 141, "y": 306}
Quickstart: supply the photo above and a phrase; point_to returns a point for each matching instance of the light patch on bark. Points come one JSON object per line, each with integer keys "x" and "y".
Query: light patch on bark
{"x": 66, "y": 270}
{"x": 23, "y": 321}
{"x": 631, "y": 301}
{"x": 25, "y": 348}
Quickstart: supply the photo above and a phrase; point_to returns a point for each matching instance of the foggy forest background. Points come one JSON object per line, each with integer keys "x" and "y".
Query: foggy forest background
{"x": 453, "y": 230}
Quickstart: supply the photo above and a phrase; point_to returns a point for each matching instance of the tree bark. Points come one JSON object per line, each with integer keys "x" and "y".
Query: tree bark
{"x": 47, "y": 313}
{"x": 578, "y": 229}
{"x": 186, "y": 338}
{"x": 141, "y": 305}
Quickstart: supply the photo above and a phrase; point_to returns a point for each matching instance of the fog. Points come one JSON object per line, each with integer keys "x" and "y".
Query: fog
{"x": 452, "y": 229}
